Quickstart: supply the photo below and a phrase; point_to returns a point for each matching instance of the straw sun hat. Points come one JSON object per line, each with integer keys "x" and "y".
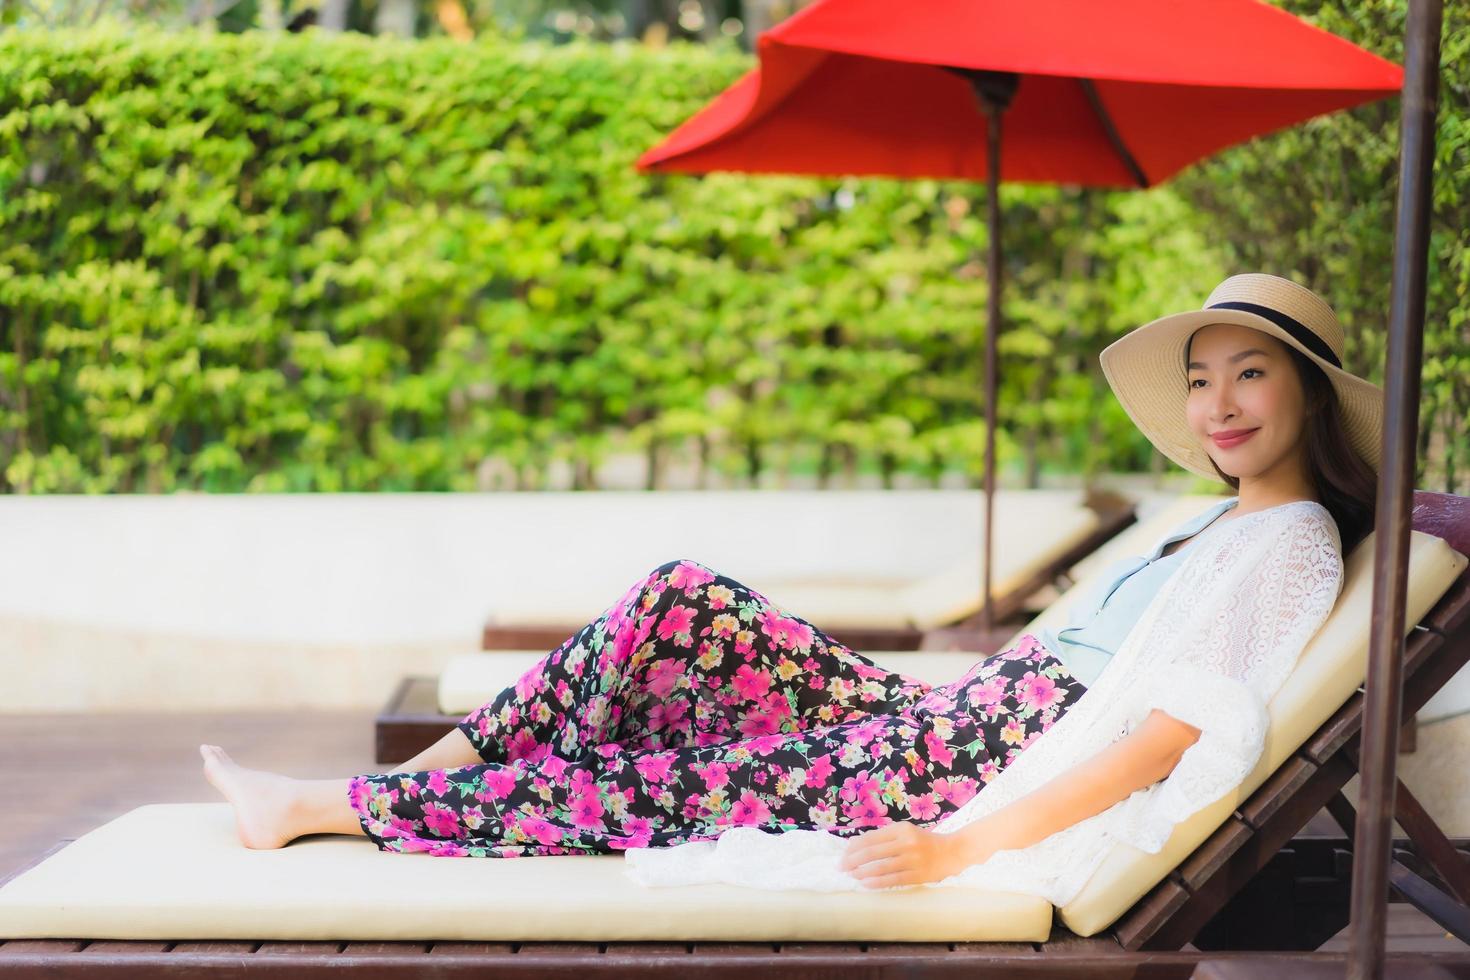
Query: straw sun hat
{"x": 1145, "y": 367}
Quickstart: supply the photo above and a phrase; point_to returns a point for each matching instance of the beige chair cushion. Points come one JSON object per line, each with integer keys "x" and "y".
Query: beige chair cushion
{"x": 472, "y": 679}
{"x": 1332, "y": 666}
{"x": 177, "y": 871}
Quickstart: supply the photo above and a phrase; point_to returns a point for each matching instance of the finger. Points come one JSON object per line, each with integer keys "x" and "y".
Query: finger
{"x": 868, "y": 852}
{"x": 882, "y": 866}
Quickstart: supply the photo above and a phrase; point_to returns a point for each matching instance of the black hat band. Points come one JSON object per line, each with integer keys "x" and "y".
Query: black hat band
{"x": 1296, "y": 328}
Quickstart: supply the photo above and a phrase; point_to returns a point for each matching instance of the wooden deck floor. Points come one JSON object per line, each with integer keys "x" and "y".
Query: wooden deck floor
{"x": 134, "y": 758}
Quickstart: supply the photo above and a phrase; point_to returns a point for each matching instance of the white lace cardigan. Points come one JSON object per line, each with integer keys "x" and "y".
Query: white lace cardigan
{"x": 1210, "y": 649}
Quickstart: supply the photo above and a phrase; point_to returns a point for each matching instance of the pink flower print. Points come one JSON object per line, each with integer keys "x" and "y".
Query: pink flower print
{"x": 1031, "y": 644}
{"x": 654, "y": 768}
{"x": 938, "y": 751}
{"x": 758, "y": 721}
{"x": 675, "y": 624}
{"x": 938, "y": 701}
{"x": 865, "y": 732}
{"x": 715, "y": 775}
{"x": 400, "y": 827}
{"x": 443, "y": 821}
{"x": 635, "y": 838}
{"x": 583, "y": 782}
{"x": 988, "y": 692}
{"x": 867, "y": 810}
{"x": 785, "y": 631}
{"x": 989, "y": 770}
{"x": 663, "y": 677}
{"x": 498, "y": 784}
{"x": 689, "y": 577}
{"x": 539, "y": 830}
{"x": 438, "y": 785}
{"x": 957, "y": 790}
{"x": 856, "y": 787}
{"x": 485, "y": 725}
{"x": 821, "y": 768}
{"x": 359, "y": 791}
{"x": 1037, "y": 691}
{"x": 750, "y": 810}
{"x": 764, "y": 745}
{"x": 667, "y": 714}
{"x": 587, "y": 811}
{"x": 527, "y": 683}
{"x": 525, "y": 746}
{"x": 751, "y": 684}
{"x": 923, "y": 807}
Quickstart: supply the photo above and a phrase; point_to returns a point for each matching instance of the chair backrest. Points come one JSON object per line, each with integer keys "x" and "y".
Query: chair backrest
{"x": 1332, "y": 666}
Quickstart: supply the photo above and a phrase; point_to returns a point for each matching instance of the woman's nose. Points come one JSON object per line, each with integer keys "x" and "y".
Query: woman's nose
{"x": 1222, "y": 406}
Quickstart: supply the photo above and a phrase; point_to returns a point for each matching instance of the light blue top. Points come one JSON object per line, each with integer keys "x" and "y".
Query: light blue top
{"x": 1098, "y": 622}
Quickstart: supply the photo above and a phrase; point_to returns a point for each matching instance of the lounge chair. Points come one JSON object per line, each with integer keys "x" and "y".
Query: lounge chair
{"x": 1039, "y": 535}
{"x": 171, "y": 880}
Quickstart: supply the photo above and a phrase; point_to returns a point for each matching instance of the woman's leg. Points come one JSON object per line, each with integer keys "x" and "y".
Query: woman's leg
{"x": 271, "y": 810}
{"x": 920, "y": 764}
{"x": 686, "y": 656}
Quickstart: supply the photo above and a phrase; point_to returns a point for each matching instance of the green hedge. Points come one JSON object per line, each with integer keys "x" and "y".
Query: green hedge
{"x": 262, "y": 263}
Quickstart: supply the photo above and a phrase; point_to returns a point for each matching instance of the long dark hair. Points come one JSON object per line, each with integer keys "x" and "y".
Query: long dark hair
{"x": 1345, "y": 484}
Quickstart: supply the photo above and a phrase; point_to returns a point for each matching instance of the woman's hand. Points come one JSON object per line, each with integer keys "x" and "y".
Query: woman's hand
{"x": 901, "y": 853}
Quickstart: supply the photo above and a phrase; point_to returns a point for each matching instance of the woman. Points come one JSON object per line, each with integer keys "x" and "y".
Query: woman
{"x": 693, "y": 711}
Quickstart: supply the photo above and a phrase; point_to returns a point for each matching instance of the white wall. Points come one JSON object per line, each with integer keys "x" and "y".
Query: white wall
{"x": 237, "y": 600}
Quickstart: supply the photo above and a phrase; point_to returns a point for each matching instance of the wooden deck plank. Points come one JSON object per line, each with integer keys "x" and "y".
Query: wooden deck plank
{"x": 982, "y": 950}
{"x": 1279, "y": 789}
{"x": 559, "y": 950}
{"x": 103, "y": 947}
{"x": 1210, "y": 856}
{"x": 462, "y": 948}
{"x": 216, "y": 947}
{"x": 389, "y": 948}
{"x": 285, "y": 947}
{"x": 49, "y": 947}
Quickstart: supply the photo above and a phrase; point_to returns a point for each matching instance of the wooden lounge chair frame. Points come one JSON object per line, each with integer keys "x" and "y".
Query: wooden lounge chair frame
{"x": 1193, "y": 904}
{"x": 1114, "y": 514}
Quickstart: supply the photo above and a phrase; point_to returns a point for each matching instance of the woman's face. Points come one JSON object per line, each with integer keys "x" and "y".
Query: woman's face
{"x": 1243, "y": 379}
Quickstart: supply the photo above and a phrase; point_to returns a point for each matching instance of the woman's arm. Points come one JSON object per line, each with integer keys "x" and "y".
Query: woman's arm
{"x": 905, "y": 854}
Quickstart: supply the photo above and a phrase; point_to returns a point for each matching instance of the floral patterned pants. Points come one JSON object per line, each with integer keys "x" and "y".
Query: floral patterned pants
{"x": 693, "y": 705}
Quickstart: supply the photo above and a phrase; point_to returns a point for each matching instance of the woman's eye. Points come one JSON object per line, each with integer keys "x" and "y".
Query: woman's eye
{"x": 1248, "y": 370}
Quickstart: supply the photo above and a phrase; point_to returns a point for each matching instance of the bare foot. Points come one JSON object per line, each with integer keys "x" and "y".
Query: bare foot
{"x": 263, "y": 801}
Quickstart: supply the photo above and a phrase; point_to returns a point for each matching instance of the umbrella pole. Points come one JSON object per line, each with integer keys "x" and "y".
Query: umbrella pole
{"x": 992, "y": 304}
{"x": 994, "y": 91}
{"x": 1383, "y": 700}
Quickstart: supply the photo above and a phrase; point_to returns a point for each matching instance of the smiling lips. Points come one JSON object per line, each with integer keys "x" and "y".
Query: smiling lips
{"x": 1233, "y": 437}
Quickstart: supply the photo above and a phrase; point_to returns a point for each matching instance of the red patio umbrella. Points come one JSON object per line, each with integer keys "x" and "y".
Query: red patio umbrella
{"x": 1117, "y": 94}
